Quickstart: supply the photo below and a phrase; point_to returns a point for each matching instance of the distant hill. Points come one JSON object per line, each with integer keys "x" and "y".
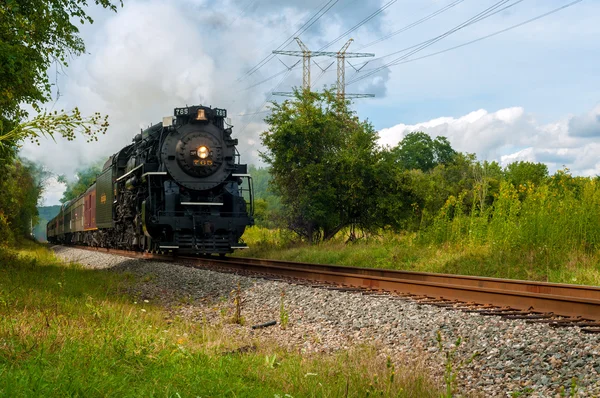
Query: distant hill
{"x": 46, "y": 213}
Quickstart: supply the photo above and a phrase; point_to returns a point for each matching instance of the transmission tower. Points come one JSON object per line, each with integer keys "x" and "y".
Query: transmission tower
{"x": 341, "y": 71}
{"x": 341, "y": 56}
{"x": 306, "y": 55}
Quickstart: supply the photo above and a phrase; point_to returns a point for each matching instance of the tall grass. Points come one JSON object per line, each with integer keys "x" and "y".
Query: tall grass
{"x": 562, "y": 215}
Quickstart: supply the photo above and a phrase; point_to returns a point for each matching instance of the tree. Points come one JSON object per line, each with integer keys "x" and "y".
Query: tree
{"x": 322, "y": 160}
{"x": 523, "y": 173}
{"x": 34, "y": 34}
{"x": 267, "y": 205}
{"x": 419, "y": 151}
{"x": 84, "y": 177}
{"x": 20, "y": 188}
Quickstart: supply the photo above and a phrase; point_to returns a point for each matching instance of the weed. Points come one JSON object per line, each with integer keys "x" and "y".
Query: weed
{"x": 452, "y": 365}
{"x": 270, "y": 361}
{"x": 523, "y": 393}
{"x": 572, "y": 391}
{"x": 284, "y": 317}
{"x": 237, "y": 305}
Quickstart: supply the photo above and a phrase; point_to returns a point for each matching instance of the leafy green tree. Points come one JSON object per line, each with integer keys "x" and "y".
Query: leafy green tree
{"x": 34, "y": 34}
{"x": 523, "y": 173}
{"x": 399, "y": 199}
{"x": 267, "y": 205}
{"x": 84, "y": 177}
{"x": 322, "y": 160}
{"x": 419, "y": 151}
{"x": 20, "y": 188}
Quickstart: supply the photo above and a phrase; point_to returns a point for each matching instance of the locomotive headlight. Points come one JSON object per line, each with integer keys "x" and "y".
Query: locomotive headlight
{"x": 203, "y": 152}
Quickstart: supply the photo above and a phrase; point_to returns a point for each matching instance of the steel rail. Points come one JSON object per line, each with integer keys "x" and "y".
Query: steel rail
{"x": 574, "y": 301}
{"x": 559, "y": 289}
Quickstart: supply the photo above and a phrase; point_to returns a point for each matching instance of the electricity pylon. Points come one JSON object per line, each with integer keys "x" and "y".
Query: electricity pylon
{"x": 341, "y": 71}
{"x": 341, "y": 56}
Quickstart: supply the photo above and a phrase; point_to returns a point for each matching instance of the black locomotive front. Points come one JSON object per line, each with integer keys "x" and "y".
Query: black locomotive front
{"x": 180, "y": 186}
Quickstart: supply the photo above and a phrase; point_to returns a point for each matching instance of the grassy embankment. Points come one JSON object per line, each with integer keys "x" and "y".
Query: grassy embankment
{"x": 69, "y": 331}
{"x": 547, "y": 233}
{"x": 407, "y": 252}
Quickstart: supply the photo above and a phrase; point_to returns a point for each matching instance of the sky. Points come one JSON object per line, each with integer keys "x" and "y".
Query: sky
{"x": 531, "y": 93}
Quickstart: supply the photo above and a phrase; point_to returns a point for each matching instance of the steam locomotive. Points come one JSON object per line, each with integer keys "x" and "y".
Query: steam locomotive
{"x": 178, "y": 187}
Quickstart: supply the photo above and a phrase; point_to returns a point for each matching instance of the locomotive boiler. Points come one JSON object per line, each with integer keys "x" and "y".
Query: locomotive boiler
{"x": 178, "y": 187}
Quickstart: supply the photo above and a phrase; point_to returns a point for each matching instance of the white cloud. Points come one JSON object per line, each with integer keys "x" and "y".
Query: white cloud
{"x": 509, "y": 135}
{"x": 587, "y": 125}
{"x": 53, "y": 191}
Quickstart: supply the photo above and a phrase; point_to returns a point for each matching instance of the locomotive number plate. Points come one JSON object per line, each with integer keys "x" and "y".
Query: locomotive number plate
{"x": 181, "y": 111}
{"x": 203, "y": 162}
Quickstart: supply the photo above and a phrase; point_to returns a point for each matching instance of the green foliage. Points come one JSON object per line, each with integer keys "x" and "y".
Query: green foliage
{"x": 267, "y": 205}
{"x": 65, "y": 124}
{"x": 412, "y": 252}
{"x": 560, "y": 215}
{"x": 34, "y": 34}
{"x": 20, "y": 188}
{"x": 84, "y": 177}
{"x": 419, "y": 151}
{"x": 323, "y": 164}
{"x": 525, "y": 173}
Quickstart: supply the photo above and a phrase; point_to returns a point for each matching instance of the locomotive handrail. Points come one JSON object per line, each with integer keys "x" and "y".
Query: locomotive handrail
{"x": 154, "y": 173}
{"x": 129, "y": 172}
{"x": 203, "y": 203}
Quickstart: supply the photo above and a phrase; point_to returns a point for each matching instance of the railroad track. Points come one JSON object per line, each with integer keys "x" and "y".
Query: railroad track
{"x": 537, "y": 302}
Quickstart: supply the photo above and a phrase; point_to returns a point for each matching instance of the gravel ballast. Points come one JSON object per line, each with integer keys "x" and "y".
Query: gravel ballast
{"x": 514, "y": 358}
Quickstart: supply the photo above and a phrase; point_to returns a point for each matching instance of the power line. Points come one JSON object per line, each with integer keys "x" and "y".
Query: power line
{"x": 244, "y": 10}
{"x": 478, "y": 39}
{"x": 259, "y": 109}
{"x": 361, "y": 23}
{"x": 412, "y": 25}
{"x": 252, "y": 114}
{"x": 311, "y": 21}
{"x": 293, "y": 67}
{"x": 476, "y": 18}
